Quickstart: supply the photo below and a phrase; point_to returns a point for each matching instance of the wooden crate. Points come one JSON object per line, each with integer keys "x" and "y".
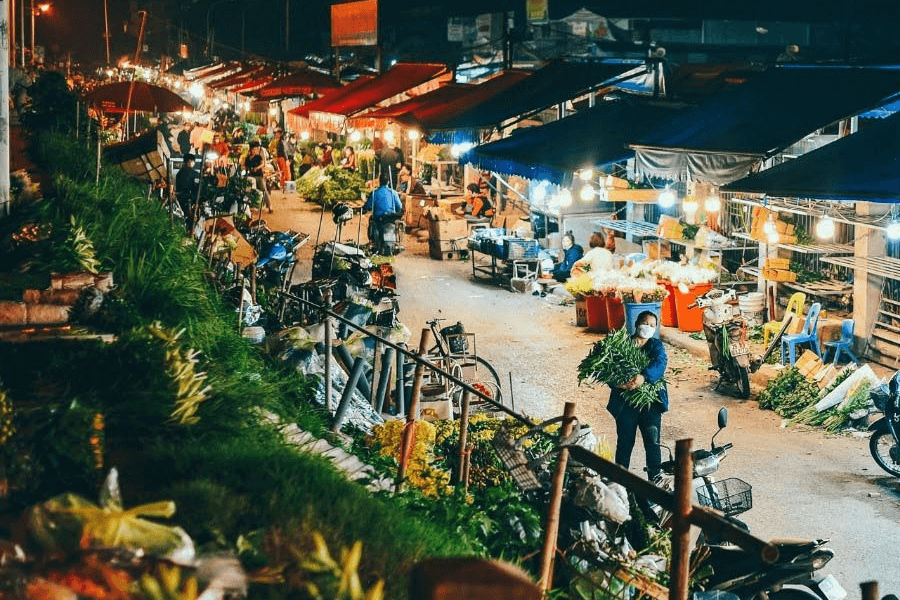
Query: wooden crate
{"x": 447, "y": 249}
{"x": 778, "y": 263}
{"x": 778, "y": 275}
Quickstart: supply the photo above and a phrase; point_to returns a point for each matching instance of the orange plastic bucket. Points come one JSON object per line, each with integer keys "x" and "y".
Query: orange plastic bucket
{"x": 668, "y": 316}
{"x": 596, "y": 314}
{"x": 690, "y": 319}
{"x": 615, "y": 311}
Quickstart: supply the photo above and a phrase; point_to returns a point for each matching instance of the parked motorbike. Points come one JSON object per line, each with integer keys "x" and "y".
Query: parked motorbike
{"x": 885, "y": 443}
{"x": 726, "y": 335}
{"x": 792, "y": 577}
{"x": 386, "y": 235}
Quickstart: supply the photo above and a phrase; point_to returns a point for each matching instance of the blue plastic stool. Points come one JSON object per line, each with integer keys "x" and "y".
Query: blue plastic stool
{"x": 809, "y": 334}
{"x": 843, "y": 345}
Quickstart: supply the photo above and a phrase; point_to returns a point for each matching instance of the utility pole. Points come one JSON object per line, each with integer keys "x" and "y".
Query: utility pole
{"x": 287, "y": 26}
{"x": 4, "y": 108}
{"x": 106, "y": 29}
{"x": 140, "y": 43}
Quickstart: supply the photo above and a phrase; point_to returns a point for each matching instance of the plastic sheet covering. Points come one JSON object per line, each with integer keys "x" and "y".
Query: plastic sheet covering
{"x": 608, "y": 499}
{"x": 717, "y": 169}
{"x": 360, "y": 413}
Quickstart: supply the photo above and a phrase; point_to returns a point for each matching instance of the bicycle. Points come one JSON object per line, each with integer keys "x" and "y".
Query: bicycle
{"x": 454, "y": 351}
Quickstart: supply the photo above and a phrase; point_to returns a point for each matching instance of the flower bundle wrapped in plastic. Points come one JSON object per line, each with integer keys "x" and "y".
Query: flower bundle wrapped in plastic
{"x": 616, "y": 360}
{"x": 643, "y": 290}
{"x": 686, "y": 274}
{"x": 580, "y": 286}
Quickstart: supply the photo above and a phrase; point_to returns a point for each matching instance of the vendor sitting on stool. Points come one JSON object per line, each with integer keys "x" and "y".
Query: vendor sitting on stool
{"x": 477, "y": 205}
{"x": 597, "y": 258}
{"x": 572, "y": 252}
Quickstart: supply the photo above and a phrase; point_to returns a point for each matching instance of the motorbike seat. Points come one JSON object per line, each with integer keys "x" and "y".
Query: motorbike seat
{"x": 789, "y": 548}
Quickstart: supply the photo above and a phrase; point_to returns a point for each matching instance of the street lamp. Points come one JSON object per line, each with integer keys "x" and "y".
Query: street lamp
{"x": 40, "y": 9}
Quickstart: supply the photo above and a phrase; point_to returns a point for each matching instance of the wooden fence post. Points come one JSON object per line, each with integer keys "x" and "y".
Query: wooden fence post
{"x": 869, "y": 590}
{"x": 551, "y": 530}
{"x": 409, "y": 432}
{"x": 681, "y": 521}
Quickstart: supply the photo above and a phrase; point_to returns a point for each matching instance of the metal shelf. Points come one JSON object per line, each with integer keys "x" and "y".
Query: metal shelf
{"x": 819, "y": 248}
{"x": 638, "y": 228}
{"x": 881, "y": 266}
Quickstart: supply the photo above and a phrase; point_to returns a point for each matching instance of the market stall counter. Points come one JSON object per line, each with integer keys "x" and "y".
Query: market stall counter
{"x": 509, "y": 256}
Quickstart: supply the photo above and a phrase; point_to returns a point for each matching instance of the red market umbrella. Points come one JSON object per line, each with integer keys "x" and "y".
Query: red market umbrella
{"x": 136, "y": 96}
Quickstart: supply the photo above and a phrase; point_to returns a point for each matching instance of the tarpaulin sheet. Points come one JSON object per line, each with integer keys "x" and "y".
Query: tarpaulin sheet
{"x": 242, "y": 76}
{"x": 555, "y": 83}
{"x": 862, "y": 166}
{"x": 773, "y": 110}
{"x": 334, "y": 95}
{"x": 379, "y": 117}
{"x": 594, "y": 137}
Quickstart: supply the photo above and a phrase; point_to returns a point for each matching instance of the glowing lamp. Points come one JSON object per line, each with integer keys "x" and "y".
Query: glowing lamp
{"x": 666, "y": 199}
{"x": 825, "y": 228}
{"x": 587, "y": 193}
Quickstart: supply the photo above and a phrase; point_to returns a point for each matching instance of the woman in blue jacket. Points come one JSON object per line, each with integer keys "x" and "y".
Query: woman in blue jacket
{"x": 628, "y": 418}
{"x": 573, "y": 252}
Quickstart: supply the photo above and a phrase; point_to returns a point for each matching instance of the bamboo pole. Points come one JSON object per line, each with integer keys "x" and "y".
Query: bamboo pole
{"x": 409, "y": 432}
{"x": 681, "y": 522}
{"x": 328, "y": 357}
{"x": 463, "y": 438}
{"x": 376, "y": 374}
{"x": 347, "y": 396}
{"x": 869, "y": 590}
{"x": 551, "y": 530}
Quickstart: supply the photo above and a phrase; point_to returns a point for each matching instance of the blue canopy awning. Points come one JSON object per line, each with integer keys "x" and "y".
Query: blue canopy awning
{"x": 553, "y": 84}
{"x": 862, "y": 166}
{"x": 592, "y": 138}
{"x": 724, "y": 136}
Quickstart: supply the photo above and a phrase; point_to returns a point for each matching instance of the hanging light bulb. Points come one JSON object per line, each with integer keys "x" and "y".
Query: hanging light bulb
{"x": 413, "y": 134}
{"x": 304, "y": 135}
{"x": 587, "y": 192}
{"x": 769, "y": 226}
{"x": 355, "y": 136}
{"x": 893, "y": 230}
{"x": 712, "y": 204}
{"x": 666, "y": 198}
{"x": 540, "y": 192}
{"x": 825, "y": 228}
{"x": 586, "y": 174}
{"x": 773, "y": 237}
{"x": 565, "y": 198}
{"x": 389, "y": 136}
{"x": 273, "y": 111}
{"x": 689, "y": 206}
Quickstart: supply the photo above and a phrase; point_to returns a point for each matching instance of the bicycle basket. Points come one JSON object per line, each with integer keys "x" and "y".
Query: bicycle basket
{"x": 455, "y": 335}
{"x": 732, "y": 496}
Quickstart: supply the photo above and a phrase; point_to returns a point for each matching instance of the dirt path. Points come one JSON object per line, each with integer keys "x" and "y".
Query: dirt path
{"x": 805, "y": 484}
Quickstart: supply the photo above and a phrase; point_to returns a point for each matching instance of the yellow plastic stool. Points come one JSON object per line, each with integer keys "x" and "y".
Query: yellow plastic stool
{"x": 794, "y": 307}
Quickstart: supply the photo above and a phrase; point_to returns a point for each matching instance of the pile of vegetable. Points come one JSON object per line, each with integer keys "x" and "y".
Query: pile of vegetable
{"x": 789, "y": 393}
{"x": 616, "y": 360}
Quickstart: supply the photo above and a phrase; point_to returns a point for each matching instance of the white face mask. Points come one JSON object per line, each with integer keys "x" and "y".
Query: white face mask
{"x": 646, "y": 331}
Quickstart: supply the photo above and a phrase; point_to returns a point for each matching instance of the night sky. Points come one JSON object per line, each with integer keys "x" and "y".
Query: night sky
{"x": 77, "y": 25}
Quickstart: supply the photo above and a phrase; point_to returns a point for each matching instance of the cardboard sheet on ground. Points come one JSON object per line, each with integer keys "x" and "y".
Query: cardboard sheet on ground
{"x": 223, "y": 227}
{"x": 837, "y": 395}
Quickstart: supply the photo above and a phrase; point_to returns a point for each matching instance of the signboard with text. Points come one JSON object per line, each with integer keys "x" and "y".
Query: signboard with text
{"x": 536, "y": 11}
{"x": 354, "y": 24}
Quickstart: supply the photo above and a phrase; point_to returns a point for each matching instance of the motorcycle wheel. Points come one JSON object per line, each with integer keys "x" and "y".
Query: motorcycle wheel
{"x": 880, "y": 445}
{"x": 742, "y": 383}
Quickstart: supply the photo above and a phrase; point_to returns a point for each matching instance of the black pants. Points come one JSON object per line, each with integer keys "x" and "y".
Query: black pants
{"x": 627, "y": 423}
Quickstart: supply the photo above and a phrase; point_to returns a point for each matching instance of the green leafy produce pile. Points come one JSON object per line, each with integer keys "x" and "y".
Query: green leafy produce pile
{"x": 331, "y": 185}
{"x": 689, "y": 232}
{"x": 615, "y": 360}
{"x": 836, "y": 418}
{"x": 789, "y": 393}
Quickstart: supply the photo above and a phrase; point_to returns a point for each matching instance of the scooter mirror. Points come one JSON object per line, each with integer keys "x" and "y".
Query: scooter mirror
{"x": 723, "y": 417}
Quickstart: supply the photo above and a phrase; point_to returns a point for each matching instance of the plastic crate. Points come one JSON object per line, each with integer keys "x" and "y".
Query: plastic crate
{"x": 514, "y": 248}
{"x": 732, "y": 496}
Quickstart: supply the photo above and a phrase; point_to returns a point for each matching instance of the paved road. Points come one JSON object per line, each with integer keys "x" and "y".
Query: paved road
{"x": 805, "y": 484}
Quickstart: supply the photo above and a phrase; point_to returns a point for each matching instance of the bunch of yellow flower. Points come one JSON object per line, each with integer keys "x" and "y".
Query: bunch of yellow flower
{"x": 580, "y": 286}
{"x": 420, "y": 474}
{"x": 6, "y": 417}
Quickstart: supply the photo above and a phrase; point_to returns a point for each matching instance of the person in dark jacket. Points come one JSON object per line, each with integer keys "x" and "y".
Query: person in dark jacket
{"x": 628, "y": 418}
{"x": 572, "y": 252}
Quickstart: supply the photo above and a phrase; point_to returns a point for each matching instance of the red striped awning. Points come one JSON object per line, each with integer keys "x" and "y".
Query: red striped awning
{"x": 334, "y": 95}
{"x": 378, "y": 118}
{"x": 301, "y": 83}
{"x": 241, "y": 76}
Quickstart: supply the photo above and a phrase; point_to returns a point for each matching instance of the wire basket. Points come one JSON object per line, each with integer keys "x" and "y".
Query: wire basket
{"x": 732, "y": 496}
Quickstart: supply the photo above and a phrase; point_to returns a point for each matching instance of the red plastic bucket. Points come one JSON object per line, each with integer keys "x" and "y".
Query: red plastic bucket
{"x": 615, "y": 311}
{"x": 596, "y": 314}
{"x": 668, "y": 316}
{"x": 690, "y": 319}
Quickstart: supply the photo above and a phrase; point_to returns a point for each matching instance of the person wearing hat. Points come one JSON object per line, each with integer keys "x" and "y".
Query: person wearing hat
{"x": 254, "y": 167}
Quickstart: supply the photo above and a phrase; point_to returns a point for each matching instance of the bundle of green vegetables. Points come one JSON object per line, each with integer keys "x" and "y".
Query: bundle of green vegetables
{"x": 789, "y": 393}
{"x": 616, "y": 360}
{"x": 835, "y": 418}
